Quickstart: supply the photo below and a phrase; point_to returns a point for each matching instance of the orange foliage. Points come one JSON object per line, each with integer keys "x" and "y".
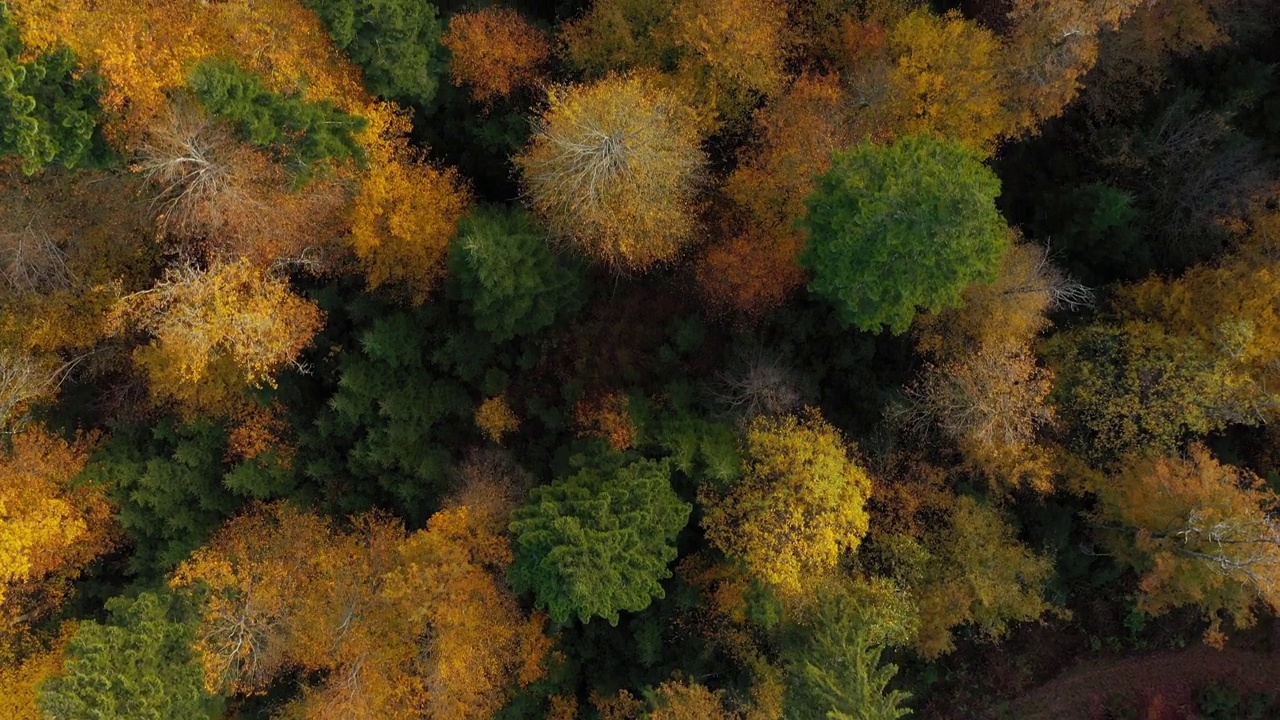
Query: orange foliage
{"x": 51, "y": 529}
{"x": 403, "y": 219}
{"x": 257, "y": 429}
{"x": 756, "y": 268}
{"x": 606, "y": 416}
{"x": 733, "y": 51}
{"x": 495, "y": 418}
{"x": 495, "y": 50}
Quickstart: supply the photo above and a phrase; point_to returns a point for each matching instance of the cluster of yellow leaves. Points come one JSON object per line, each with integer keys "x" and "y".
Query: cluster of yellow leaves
{"x": 797, "y": 507}
{"x": 945, "y": 81}
{"x": 51, "y": 529}
{"x": 495, "y": 50}
{"x": 20, "y": 679}
{"x": 495, "y": 418}
{"x": 1200, "y": 533}
{"x": 402, "y": 624}
{"x": 732, "y": 51}
{"x": 406, "y": 213}
{"x": 614, "y": 167}
{"x": 684, "y": 700}
{"x": 606, "y": 416}
{"x": 233, "y": 311}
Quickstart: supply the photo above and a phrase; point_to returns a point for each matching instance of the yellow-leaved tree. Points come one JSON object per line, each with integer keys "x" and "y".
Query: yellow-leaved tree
{"x": 798, "y": 505}
{"x": 51, "y": 529}
{"x": 614, "y": 169}
{"x": 230, "y": 316}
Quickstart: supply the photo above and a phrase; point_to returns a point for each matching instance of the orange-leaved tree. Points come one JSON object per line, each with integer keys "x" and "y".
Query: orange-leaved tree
{"x": 51, "y": 527}
{"x": 495, "y": 51}
{"x": 1200, "y": 533}
{"x": 756, "y": 267}
{"x": 614, "y": 168}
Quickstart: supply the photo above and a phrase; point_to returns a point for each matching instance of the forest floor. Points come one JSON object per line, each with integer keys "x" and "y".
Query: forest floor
{"x": 1166, "y": 679}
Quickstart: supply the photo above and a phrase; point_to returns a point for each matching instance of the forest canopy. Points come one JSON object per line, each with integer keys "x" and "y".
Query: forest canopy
{"x": 639, "y": 359}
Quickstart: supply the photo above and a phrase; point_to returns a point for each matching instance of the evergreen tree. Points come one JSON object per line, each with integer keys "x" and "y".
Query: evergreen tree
{"x": 397, "y": 42}
{"x": 305, "y": 133}
{"x": 139, "y": 666}
{"x": 599, "y": 541}
{"x": 48, "y": 106}
{"x": 510, "y": 279}
{"x": 901, "y": 227}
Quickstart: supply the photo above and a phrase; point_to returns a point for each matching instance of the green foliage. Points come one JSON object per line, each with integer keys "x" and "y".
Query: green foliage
{"x": 306, "y": 134}
{"x": 168, "y": 483}
{"x": 598, "y": 542}
{"x": 902, "y": 227}
{"x": 510, "y": 280}
{"x": 139, "y": 666}
{"x": 385, "y": 423}
{"x": 834, "y": 670}
{"x": 397, "y": 42}
{"x": 48, "y": 106}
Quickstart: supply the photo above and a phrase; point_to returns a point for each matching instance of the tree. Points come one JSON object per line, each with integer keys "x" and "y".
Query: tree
{"x": 618, "y": 35}
{"x": 394, "y": 41}
{"x": 225, "y": 200}
{"x": 834, "y": 669}
{"x": 687, "y": 700}
{"x": 48, "y": 107}
{"x": 403, "y": 219}
{"x": 945, "y": 81}
{"x": 511, "y": 282}
{"x": 137, "y": 667}
{"x": 613, "y": 167}
{"x": 1052, "y": 44}
{"x": 233, "y": 311}
{"x": 1199, "y": 532}
{"x": 1137, "y": 387}
{"x": 756, "y": 267}
{"x": 901, "y": 227}
{"x": 991, "y": 404}
{"x": 52, "y": 528}
{"x": 495, "y": 51}
{"x": 732, "y": 51}
{"x": 970, "y": 569}
{"x": 304, "y": 134}
{"x": 597, "y": 542}
{"x": 798, "y": 505}
{"x": 256, "y": 573}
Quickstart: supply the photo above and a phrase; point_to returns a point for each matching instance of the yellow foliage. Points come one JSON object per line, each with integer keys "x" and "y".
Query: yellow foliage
{"x": 144, "y": 49}
{"x": 798, "y": 506}
{"x": 732, "y": 51}
{"x": 51, "y": 529}
{"x": 945, "y": 81}
{"x": 19, "y": 680}
{"x": 402, "y": 221}
{"x": 232, "y": 311}
{"x": 685, "y": 700}
{"x": 613, "y": 167}
{"x": 495, "y": 418}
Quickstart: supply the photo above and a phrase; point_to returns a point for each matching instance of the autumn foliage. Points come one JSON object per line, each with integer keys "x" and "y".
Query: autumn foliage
{"x": 613, "y": 168}
{"x": 495, "y": 51}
